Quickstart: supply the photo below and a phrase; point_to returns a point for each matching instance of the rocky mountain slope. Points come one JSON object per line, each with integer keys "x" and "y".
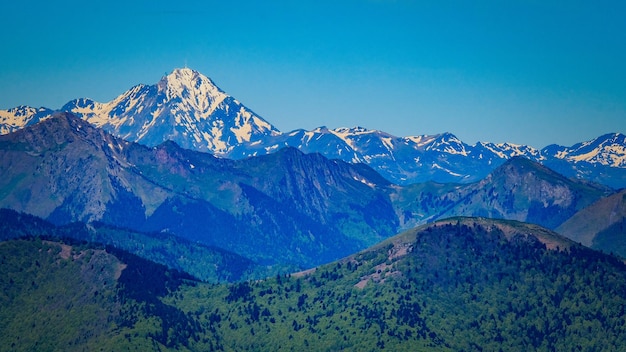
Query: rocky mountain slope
{"x": 520, "y": 189}
{"x": 189, "y": 109}
{"x": 287, "y": 207}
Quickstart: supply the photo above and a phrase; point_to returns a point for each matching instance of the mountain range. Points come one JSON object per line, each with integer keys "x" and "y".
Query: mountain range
{"x": 174, "y": 218}
{"x": 285, "y": 209}
{"x": 189, "y": 109}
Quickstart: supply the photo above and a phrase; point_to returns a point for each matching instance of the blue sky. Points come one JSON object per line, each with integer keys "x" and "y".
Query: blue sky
{"x": 527, "y": 72}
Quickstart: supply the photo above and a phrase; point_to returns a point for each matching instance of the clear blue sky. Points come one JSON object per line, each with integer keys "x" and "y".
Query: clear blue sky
{"x": 528, "y": 72}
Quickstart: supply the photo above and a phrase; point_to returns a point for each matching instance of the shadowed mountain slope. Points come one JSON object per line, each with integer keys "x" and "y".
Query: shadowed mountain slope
{"x": 601, "y": 225}
{"x": 283, "y": 208}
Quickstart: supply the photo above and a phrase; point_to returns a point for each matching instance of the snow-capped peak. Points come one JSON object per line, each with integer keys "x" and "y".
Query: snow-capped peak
{"x": 184, "y": 106}
{"x": 608, "y": 149}
{"x": 196, "y": 91}
{"x": 448, "y": 143}
{"x": 361, "y": 139}
{"x": 509, "y": 150}
{"x": 353, "y": 130}
{"x": 19, "y": 117}
{"x": 421, "y": 141}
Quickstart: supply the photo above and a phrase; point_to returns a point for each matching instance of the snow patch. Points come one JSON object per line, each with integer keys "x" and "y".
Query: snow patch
{"x": 364, "y": 181}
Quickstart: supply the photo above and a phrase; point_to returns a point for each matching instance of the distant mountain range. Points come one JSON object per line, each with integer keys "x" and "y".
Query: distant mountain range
{"x": 283, "y": 209}
{"x": 188, "y": 108}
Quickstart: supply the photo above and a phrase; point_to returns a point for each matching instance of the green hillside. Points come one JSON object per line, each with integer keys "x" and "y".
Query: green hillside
{"x": 464, "y": 284}
{"x": 68, "y": 297}
{"x": 204, "y": 262}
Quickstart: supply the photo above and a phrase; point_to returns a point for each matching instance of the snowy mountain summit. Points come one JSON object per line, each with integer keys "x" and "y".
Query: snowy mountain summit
{"x": 607, "y": 150}
{"x": 189, "y": 109}
{"x": 184, "y": 106}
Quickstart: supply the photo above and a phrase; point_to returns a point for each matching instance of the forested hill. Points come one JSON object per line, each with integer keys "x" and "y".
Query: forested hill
{"x": 70, "y": 296}
{"x": 465, "y": 284}
{"x": 204, "y": 262}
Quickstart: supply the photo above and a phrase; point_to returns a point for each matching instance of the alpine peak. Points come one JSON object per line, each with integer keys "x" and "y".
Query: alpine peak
{"x": 190, "y": 109}
{"x": 184, "y": 106}
{"x": 193, "y": 86}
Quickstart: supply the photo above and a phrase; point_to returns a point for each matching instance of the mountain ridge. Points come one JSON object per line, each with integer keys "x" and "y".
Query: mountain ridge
{"x": 189, "y": 108}
{"x": 184, "y": 106}
{"x": 520, "y": 189}
{"x": 601, "y": 225}
{"x": 457, "y": 284}
{"x": 287, "y": 207}
{"x": 66, "y": 170}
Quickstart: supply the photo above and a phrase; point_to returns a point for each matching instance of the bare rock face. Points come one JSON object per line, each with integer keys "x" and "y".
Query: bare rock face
{"x": 66, "y": 170}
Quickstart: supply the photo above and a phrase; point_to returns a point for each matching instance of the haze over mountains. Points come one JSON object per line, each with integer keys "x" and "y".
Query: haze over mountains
{"x": 189, "y": 109}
